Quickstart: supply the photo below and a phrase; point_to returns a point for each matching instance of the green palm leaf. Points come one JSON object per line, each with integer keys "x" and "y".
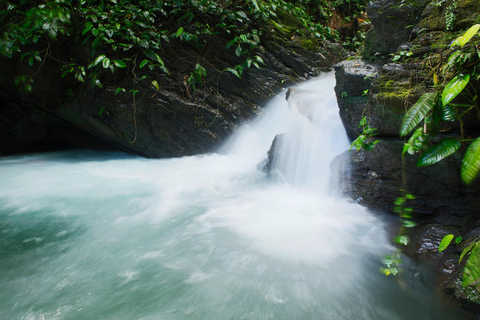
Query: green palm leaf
{"x": 471, "y": 162}
{"x": 417, "y": 112}
{"x": 461, "y": 41}
{"x": 438, "y": 152}
{"x": 454, "y": 87}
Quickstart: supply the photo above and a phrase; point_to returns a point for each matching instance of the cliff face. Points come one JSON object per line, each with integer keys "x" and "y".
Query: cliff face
{"x": 408, "y": 44}
{"x": 174, "y": 119}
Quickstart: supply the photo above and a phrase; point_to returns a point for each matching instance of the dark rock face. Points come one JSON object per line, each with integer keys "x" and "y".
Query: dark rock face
{"x": 376, "y": 177}
{"x": 381, "y": 93}
{"x": 175, "y": 120}
{"x": 354, "y": 79}
{"x": 392, "y": 21}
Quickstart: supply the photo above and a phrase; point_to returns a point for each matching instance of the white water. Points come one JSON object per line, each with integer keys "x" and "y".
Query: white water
{"x": 108, "y": 236}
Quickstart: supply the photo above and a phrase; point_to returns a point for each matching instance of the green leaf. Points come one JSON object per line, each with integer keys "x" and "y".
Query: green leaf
{"x": 400, "y": 201}
{"x": 235, "y": 72}
{"x": 98, "y": 83}
{"x": 471, "y": 162}
{"x": 230, "y": 43}
{"x": 153, "y": 56}
{"x": 155, "y": 84}
{"x": 438, "y": 152}
{"x": 415, "y": 143}
{"x": 358, "y": 143}
{"x": 471, "y": 272}
{"x": 119, "y": 89}
{"x": 88, "y": 27}
{"x": 106, "y": 63}
{"x": 445, "y": 242}
{"x": 461, "y": 41}
{"x": 179, "y": 32}
{"x": 99, "y": 59}
{"x": 417, "y": 112}
{"x": 242, "y": 14}
{"x": 446, "y": 113}
{"x": 143, "y": 43}
{"x": 238, "y": 51}
{"x": 454, "y": 87}
{"x": 402, "y": 240}
{"x": 119, "y": 64}
{"x": 143, "y": 63}
{"x": 369, "y": 145}
{"x": 467, "y": 250}
{"x": 255, "y": 4}
{"x": 409, "y": 224}
{"x": 458, "y": 239}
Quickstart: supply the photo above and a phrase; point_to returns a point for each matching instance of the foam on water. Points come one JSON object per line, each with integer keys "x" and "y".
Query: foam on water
{"x": 85, "y": 235}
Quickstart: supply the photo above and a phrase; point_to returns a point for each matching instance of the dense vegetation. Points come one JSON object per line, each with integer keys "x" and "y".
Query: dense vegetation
{"x": 128, "y": 34}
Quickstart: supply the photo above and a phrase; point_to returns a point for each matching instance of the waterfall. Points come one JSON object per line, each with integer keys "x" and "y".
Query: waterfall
{"x": 314, "y": 136}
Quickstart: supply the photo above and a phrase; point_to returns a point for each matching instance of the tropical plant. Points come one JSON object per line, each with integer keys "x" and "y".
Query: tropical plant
{"x": 365, "y": 140}
{"x": 392, "y": 261}
{"x": 438, "y": 106}
{"x": 471, "y": 271}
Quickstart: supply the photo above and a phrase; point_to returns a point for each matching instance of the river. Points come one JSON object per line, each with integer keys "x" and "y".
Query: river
{"x": 89, "y": 235}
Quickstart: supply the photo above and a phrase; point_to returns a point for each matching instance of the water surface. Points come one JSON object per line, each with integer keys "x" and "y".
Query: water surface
{"x": 87, "y": 235}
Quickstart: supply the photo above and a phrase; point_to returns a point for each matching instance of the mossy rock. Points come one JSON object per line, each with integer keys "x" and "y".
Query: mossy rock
{"x": 370, "y": 46}
{"x": 451, "y": 15}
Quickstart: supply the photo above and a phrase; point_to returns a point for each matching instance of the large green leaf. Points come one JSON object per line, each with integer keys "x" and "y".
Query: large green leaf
{"x": 471, "y": 272}
{"x": 461, "y": 41}
{"x": 454, "y": 87}
{"x": 471, "y": 162}
{"x": 417, "y": 112}
{"x": 445, "y": 242}
{"x": 438, "y": 152}
{"x": 446, "y": 113}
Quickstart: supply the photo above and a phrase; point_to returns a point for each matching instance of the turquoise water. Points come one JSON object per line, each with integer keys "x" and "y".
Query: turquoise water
{"x": 87, "y": 235}
{"x": 108, "y": 236}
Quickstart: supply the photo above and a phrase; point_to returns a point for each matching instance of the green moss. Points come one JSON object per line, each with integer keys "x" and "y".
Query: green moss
{"x": 390, "y": 88}
{"x": 388, "y": 84}
{"x": 394, "y": 94}
{"x": 309, "y": 44}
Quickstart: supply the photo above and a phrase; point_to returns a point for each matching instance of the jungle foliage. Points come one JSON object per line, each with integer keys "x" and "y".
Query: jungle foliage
{"x": 130, "y": 33}
{"x": 448, "y": 102}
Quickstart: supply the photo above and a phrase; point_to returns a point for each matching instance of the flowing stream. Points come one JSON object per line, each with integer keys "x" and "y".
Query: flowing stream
{"x": 87, "y": 235}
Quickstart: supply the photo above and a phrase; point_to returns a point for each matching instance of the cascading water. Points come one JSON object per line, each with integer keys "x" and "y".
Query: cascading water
{"x": 315, "y": 136}
{"x": 88, "y": 235}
